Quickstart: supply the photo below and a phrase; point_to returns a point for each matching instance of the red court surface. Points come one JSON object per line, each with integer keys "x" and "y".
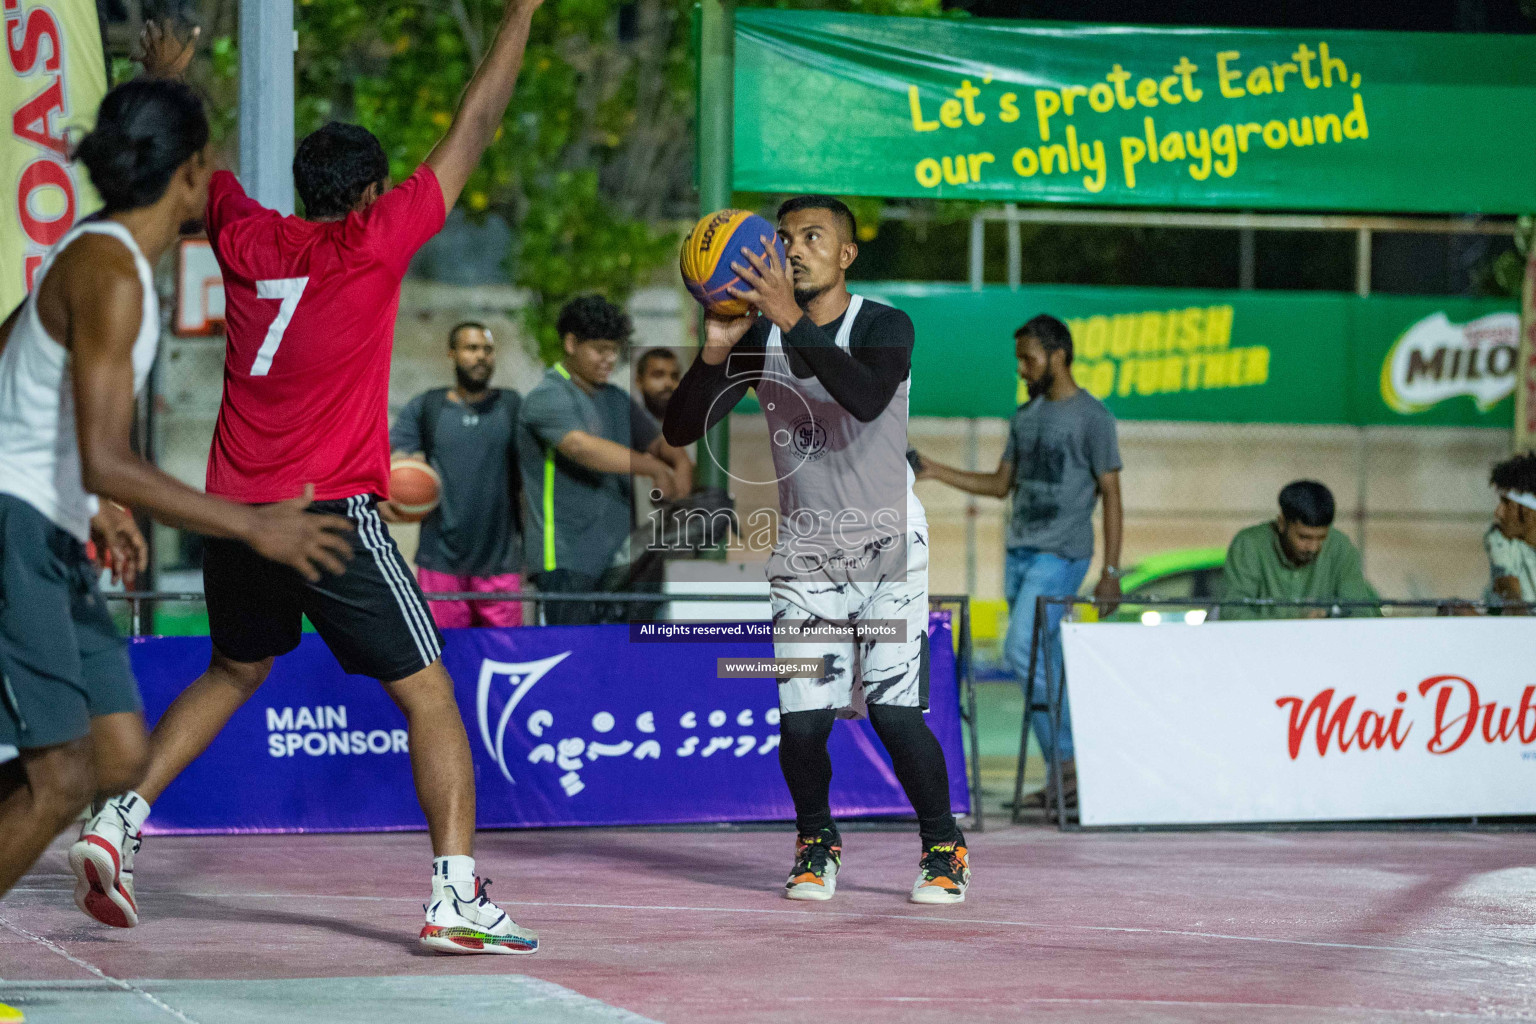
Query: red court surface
{"x": 688, "y": 927}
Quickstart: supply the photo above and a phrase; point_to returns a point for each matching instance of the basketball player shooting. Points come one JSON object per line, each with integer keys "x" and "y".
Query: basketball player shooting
{"x": 311, "y": 316}
{"x": 832, "y": 372}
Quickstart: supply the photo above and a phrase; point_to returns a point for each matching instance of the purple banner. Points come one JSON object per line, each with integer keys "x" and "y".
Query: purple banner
{"x": 569, "y": 725}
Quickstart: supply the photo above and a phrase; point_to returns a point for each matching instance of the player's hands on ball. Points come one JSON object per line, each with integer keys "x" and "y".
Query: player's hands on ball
{"x": 163, "y": 52}
{"x": 313, "y": 544}
{"x": 770, "y": 286}
{"x": 119, "y": 544}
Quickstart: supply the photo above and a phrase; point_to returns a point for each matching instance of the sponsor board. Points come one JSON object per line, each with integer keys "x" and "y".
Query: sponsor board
{"x": 567, "y": 725}
{"x": 1333, "y": 720}
{"x": 54, "y": 79}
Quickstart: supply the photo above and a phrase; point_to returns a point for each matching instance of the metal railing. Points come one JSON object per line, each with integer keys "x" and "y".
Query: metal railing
{"x": 965, "y": 671}
{"x": 1056, "y": 677}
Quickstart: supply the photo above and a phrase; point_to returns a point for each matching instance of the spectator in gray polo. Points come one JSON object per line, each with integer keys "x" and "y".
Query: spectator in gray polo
{"x": 581, "y": 440}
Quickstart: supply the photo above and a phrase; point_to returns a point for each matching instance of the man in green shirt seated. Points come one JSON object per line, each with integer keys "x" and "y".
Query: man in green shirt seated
{"x": 1296, "y": 557}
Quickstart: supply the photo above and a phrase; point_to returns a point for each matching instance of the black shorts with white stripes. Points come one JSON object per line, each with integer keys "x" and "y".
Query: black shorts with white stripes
{"x": 372, "y": 616}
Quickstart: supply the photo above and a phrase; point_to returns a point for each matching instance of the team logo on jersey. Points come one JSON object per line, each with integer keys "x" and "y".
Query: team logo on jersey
{"x": 809, "y": 439}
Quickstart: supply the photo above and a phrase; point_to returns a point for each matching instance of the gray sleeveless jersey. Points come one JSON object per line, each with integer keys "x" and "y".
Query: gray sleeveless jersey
{"x": 843, "y": 484}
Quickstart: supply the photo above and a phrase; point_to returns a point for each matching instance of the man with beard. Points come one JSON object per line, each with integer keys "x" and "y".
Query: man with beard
{"x": 657, "y": 373}
{"x": 656, "y": 377}
{"x": 832, "y": 372}
{"x": 1297, "y": 556}
{"x": 1061, "y": 457}
{"x": 471, "y": 541}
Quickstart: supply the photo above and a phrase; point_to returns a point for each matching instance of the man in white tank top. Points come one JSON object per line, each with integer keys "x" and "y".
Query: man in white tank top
{"x": 72, "y": 359}
{"x": 832, "y": 371}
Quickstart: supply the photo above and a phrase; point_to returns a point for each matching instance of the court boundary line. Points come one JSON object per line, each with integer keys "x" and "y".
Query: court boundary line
{"x": 937, "y": 918}
{"x": 1109, "y": 1000}
{"x": 86, "y": 965}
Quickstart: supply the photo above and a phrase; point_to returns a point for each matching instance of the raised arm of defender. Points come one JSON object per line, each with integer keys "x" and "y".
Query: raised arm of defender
{"x": 484, "y": 103}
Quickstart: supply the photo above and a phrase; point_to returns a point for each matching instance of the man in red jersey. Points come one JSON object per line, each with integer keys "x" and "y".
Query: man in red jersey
{"x": 311, "y": 307}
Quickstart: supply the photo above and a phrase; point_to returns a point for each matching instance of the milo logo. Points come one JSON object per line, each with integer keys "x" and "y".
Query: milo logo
{"x": 1436, "y": 360}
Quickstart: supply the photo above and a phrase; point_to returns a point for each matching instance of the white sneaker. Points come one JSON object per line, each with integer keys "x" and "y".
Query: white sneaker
{"x": 474, "y": 925}
{"x": 102, "y": 862}
{"x": 817, "y": 860}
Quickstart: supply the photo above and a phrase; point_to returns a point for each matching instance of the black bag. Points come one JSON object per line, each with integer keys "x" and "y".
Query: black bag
{"x": 684, "y": 529}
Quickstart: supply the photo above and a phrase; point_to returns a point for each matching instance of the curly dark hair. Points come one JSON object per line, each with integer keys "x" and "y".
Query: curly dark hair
{"x": 334, "y": 166}
{"x": 1516, "y": 474}
{"x": 592, "y": 317}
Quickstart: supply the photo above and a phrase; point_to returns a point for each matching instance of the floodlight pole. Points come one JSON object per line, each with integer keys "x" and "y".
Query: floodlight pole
{"x": 267, "y": 43}
{"x": 717, "y": 58}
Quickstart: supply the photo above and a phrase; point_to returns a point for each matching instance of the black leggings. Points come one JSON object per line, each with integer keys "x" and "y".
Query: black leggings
{"x": 915, "y": 754}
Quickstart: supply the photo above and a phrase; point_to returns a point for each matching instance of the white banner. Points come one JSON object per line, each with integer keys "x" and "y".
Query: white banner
{"x": 1328, "y": 720}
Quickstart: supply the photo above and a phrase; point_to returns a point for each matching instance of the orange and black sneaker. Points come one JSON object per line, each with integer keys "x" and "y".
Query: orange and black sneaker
{"x": 817, "y": 859}
{"x": 943, "y": 874}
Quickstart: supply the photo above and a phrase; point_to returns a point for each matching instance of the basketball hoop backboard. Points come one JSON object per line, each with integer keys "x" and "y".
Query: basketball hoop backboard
{"x": 199, "y": 289}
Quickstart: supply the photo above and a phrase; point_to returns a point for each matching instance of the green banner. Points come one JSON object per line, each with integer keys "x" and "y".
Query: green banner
{"x": 1111, "y": 115}
{"x": 1222, "y": 356}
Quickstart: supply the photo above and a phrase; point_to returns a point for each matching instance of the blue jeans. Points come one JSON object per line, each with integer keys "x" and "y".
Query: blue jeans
{"x": 1032, "y": 573}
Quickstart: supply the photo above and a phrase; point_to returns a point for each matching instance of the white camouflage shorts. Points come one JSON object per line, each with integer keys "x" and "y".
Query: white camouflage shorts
{"x": 869, "y": 586}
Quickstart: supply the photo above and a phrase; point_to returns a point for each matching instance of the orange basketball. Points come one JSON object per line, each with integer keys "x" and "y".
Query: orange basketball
{"x": 414, "y": 489}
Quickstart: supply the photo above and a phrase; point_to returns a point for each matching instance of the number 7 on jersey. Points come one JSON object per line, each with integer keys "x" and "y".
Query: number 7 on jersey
{"x": 289, "y": 290}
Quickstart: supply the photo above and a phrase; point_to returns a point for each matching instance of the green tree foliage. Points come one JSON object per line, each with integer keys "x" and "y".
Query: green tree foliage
{"x": 593, "y": 167}
{"x": 595, "y": 160}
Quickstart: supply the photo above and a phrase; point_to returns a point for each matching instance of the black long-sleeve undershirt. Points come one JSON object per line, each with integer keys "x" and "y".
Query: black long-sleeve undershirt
{"x": 862, "y": 380}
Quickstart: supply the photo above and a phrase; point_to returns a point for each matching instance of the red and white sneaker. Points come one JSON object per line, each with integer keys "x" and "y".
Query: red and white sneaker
{"x": 102, "y": 862}
{"x": 475, "y": 925}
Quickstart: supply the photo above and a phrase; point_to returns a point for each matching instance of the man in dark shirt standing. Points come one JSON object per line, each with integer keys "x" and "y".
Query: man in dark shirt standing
{"x": 471, "y": 541}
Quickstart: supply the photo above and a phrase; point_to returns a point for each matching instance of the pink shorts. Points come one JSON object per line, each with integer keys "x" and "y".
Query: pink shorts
{"x": 457, "y": 614}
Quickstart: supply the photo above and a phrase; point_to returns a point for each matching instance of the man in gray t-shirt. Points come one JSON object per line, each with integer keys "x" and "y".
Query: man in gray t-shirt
{"x": 1062, "y": 455}
{"x": 580, "y": 443}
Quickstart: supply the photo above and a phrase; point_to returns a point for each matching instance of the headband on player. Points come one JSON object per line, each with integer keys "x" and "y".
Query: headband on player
{"x": 1525, "y": 498}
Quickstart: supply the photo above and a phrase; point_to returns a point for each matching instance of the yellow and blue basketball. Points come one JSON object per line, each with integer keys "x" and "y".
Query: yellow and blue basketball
{"x": 712, "y": 246}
